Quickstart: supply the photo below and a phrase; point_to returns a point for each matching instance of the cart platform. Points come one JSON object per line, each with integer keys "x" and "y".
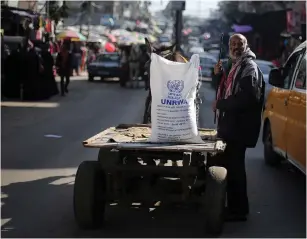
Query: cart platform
{"x": 135, "y": 137}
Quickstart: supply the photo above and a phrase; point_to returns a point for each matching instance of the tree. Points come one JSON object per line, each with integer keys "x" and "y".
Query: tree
{"x": 230, "y": 11}
{"x": 57, "y": 12}
{"x": 233, "y": 11}
{"x": 87, "y": 9}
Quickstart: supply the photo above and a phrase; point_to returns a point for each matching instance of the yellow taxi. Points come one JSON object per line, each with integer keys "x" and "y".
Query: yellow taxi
{"x": 284, "y": 116}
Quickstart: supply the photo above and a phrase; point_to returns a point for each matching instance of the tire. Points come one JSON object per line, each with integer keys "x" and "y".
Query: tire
{"x": 90, "y": 78}
{"x": 89, "y": 195}
{"x": 271, "y": 158}
{"x": 215, "y": 196}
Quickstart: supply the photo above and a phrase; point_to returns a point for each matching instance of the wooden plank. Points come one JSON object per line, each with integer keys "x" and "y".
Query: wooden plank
{"x": 135, "y": 133}
{"x": 135, "y": 137}
{"x": 205, "y": 147}
{"x": 126, "y": 126}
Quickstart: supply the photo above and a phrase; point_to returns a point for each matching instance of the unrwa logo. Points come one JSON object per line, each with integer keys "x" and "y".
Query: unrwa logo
{"x": 175, "y": 86}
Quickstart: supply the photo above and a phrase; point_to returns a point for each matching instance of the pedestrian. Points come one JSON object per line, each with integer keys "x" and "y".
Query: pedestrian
{"x": 64, "y": 67}
{"x": 238, "y": 110}
{"x": 76, "y": 57}
{"x": 52, "y": 88}
{"x": 134, "y": 62}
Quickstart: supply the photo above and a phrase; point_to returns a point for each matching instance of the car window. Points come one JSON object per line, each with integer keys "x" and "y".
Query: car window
{"x": 289, "y": 68}
{"x": 300, "y": 81}
{"x": 108, "y": 57}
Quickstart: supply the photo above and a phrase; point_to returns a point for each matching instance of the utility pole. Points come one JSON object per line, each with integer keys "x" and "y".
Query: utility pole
{"x": 47, "y": 9}
{"x": 178, "y": 6}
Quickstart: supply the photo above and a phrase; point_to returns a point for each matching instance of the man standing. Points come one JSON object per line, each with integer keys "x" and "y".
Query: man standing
{"x": 64, "y": 67}
{"x": 238, "y": 109}
{"x": 134, "y": 62}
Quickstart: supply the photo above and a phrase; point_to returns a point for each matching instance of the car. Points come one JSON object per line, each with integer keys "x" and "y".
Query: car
{"x": 214, "y": 52}
{"x": 207, "y": 63}
{"x": 106, "y": 65}
{"x": 284, "y": 116}
{"x": 193, "y": 41}
{"x": 190, "y": 50}
{"x": 164, "y": 39}
{"x": 196, "y": 50}
{"x": 265, "y": 67}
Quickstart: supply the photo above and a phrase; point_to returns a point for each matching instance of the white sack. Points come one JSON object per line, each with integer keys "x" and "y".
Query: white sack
{"x": 173, "y": 89}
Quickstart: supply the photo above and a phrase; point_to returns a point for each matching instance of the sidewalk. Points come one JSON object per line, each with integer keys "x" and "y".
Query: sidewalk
{"x": 82, "y": 76}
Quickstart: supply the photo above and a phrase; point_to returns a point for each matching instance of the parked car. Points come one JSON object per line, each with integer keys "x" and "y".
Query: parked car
{"x": 207, "y": 63}
{"x": 214, "y": 52}
{"x": 106, "y": 65}
{"x": 193, "y": 41}
{"x": 196, "y": 50}
{"x": 284, "y": 116}
{"x": 265, "y": 67}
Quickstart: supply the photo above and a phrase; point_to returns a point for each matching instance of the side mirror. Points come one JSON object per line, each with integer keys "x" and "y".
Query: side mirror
{"x": 275, "y": 78}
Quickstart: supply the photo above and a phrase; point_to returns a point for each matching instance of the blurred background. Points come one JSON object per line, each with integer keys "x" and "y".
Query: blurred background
{"x": 273, "y": 28}
{"x": 42, "y": 131}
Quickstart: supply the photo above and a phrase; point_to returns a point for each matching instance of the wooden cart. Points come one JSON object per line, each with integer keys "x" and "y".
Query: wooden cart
{"x": 132, "y": 170}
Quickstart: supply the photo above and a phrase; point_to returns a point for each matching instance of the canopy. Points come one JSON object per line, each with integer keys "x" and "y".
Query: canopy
{"x": 111, "y": 37}
{"x": 93, "y": 37}
{"x": 242, "y": 28}
{"x": 109, "y": 47}
{"x": 73, "y": 36}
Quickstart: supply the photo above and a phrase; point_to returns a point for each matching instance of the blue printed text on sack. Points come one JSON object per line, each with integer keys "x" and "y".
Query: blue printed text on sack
{"x": 174, "y": 102}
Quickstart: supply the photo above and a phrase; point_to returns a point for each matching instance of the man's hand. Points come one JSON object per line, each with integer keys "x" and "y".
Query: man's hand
{"x": 218, "y": 68}
{"x": 214, "y": 106}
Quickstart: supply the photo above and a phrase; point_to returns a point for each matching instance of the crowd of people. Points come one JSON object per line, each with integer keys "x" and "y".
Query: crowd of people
{"x": 38, "y": 63}
{"x": 28, "y": 72}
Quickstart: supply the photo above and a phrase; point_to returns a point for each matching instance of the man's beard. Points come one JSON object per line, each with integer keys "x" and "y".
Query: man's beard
{"x": 234, "y": 56}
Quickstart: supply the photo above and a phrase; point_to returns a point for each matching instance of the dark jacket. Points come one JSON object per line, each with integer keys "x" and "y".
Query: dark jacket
{"x": 67, "y": 69}
{"x": 240, "y": 114}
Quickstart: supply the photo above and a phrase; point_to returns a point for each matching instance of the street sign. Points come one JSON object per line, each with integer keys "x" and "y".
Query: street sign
{"x": 178, "y": 5}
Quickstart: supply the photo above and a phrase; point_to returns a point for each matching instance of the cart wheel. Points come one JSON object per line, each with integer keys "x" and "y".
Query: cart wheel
{"x": 89, "y": 195}
{"x": 215, "y": 196}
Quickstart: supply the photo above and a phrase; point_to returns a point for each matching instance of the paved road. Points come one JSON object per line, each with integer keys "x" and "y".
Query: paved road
{"x": 38, "y": 172}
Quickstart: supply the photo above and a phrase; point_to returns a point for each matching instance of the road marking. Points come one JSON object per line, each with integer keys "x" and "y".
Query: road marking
{"x": 30, "y": 104}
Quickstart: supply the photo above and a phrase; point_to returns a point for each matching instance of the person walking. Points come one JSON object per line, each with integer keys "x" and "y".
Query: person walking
{"x": 64, "y": 62}
{"x": 238, "y": 111}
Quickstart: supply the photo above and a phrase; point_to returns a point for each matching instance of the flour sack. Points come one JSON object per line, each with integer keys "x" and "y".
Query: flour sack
{"x": 173, "y": 89}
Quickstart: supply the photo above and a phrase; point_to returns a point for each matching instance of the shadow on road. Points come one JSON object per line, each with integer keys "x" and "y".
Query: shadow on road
{"x": 43, "y": 208}
{"x": 31, "y": 208}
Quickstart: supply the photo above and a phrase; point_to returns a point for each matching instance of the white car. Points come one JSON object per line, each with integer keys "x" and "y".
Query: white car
{"x": 265, "y": 67}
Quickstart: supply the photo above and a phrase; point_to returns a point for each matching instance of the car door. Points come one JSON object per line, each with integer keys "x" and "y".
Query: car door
{"x": 296, "y": 122}
{"x": 278, "y": 104}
